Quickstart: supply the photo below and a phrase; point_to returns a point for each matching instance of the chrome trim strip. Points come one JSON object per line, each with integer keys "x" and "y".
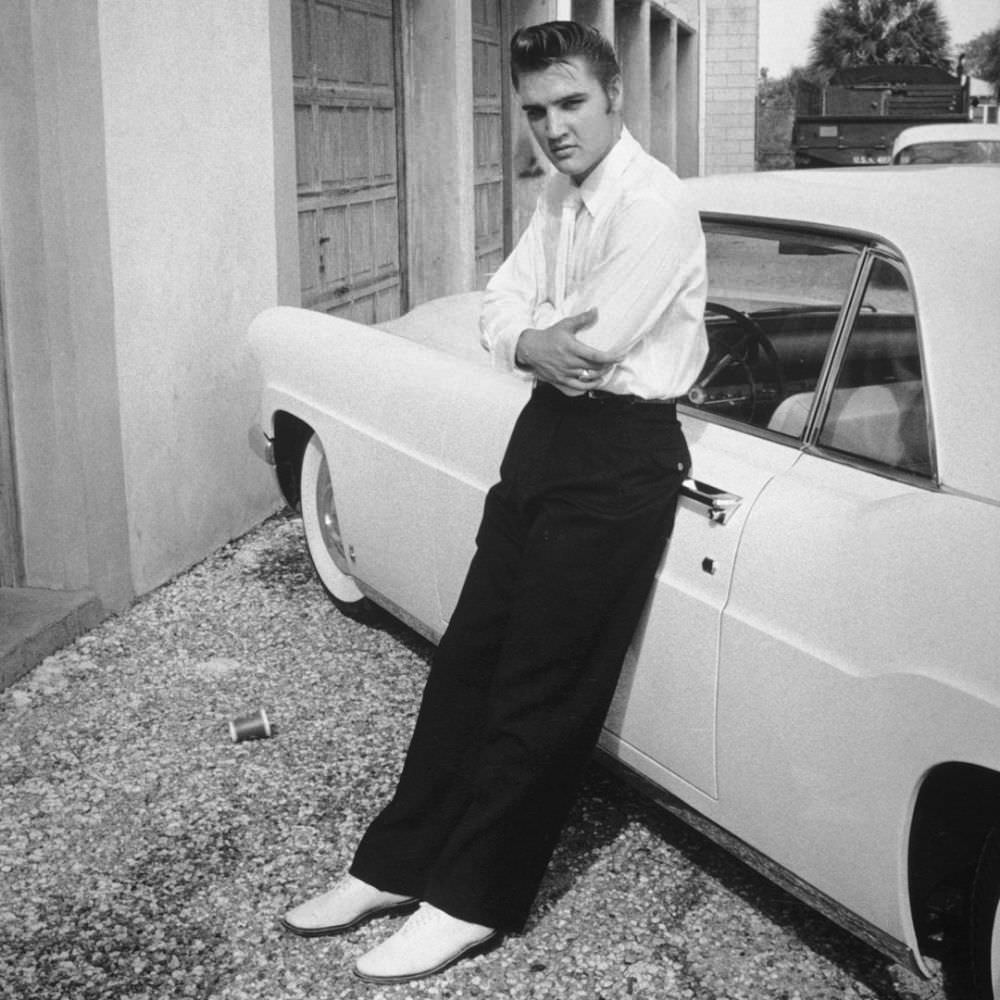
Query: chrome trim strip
{"x": 260, "y": 444}
{"x": 771, "y": 870}
{"x": 836, "y": 349}
{"x": 428, "y": 633}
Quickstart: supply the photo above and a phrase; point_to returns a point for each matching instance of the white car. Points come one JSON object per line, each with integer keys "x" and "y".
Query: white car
{"x": 956, "y": 142}
{"x": 817, "y": 675}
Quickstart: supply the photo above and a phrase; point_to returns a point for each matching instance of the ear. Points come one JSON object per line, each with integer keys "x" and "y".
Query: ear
{"x": 614, "y": 94}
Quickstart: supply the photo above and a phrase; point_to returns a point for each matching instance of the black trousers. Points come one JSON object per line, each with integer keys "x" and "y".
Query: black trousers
{"x": 519, "y": 687}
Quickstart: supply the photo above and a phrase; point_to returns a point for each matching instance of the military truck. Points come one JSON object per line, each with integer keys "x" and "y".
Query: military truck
{"x": 853, "y": 120}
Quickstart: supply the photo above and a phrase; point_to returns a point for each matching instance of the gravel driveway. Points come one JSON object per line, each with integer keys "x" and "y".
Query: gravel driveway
{"x": 145, "y": 855}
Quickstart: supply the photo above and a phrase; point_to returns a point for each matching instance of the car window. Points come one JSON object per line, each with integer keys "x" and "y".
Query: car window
{"x": 955, "y": 151}
{"x": 774, "y": 300}
{"x": 877, "y": 411}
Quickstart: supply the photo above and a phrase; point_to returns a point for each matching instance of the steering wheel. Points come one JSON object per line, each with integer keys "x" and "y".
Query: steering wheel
{"x": 740, "y": 351}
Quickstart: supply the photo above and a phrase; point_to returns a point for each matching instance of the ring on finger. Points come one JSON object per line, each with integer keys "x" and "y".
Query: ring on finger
{"x": 585, "y": 373}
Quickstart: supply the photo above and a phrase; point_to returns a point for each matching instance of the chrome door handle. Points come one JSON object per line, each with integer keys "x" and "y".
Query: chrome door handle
{"x": 720, "y": 504}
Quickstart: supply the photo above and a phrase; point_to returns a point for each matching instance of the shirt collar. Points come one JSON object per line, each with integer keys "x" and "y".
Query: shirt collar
{"x": 599, "y": 186}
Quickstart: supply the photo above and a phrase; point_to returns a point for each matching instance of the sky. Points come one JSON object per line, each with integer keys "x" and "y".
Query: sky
{"x": 786, "y": 27}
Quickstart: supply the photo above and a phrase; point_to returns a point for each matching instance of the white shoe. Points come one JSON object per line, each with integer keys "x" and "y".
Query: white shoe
{"x": 347, "y": 904}
{"x": 427, "y": 943}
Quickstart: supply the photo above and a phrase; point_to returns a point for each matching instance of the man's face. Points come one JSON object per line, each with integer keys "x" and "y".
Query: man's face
{"x": 575, "y": 122}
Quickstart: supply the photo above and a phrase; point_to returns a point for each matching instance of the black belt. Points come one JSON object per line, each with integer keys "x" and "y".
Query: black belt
{"x": 626, "y": 399}
{"x": 598, "y": 397}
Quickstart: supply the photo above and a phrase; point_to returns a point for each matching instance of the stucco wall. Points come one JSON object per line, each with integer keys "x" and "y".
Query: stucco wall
{"x": 729, "y": 33}
{"x": 191, "y": 205}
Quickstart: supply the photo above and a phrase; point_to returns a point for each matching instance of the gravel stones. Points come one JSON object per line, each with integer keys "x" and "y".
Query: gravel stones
{"x": 145, "y": 856}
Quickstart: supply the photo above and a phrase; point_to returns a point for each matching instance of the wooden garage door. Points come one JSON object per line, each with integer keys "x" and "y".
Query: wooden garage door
{"x": 488, "y": 91}
{"x": 350, "y": 238}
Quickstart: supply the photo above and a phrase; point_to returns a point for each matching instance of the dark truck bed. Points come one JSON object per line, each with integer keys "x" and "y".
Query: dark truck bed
{"x": 854, "y": 120}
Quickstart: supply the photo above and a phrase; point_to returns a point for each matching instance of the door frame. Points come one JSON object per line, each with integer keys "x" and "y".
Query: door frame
{"x": 399, "y": 29}
{"x": 11, "y": 558}
{"x": 508, "y": 127}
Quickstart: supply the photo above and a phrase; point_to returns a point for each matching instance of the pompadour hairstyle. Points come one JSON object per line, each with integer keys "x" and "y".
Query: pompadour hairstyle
{"x": 538, "y": 46}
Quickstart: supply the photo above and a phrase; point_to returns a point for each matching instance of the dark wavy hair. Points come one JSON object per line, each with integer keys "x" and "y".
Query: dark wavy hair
{"x": 539, "y": 46}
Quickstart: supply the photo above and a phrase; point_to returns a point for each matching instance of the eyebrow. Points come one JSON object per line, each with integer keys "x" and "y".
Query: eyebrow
{"x": 576, "y": 95}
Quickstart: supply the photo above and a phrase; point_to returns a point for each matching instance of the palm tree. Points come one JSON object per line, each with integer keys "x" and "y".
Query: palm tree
{"x": 873, "y": 32}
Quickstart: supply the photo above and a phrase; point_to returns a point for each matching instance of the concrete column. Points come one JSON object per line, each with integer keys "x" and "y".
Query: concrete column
{"x": 633, "y": 41}
{"x": 528, "y": 165}
{"x": 58, "y": 299}
{"x": 687, "y": 104}
{"x": 524, "y": 12}
{"x": 663, "y": 90}
{"x": 440, "y": 191}
{"x": 599, "y": 13}
{"x": 283, "y": 112}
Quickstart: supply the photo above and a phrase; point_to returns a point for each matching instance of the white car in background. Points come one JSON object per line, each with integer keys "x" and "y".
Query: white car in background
{"x": 816, "y": 679}
{"x": 965, "y": 142}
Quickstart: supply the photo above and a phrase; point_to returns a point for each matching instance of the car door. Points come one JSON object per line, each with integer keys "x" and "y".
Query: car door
{"x": 776, "y": 297}
{"x": 856, "y": 630}
{"x": 662, "y": 721}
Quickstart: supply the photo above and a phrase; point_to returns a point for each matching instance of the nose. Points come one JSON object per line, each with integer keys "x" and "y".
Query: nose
{"x": 554, "y": 124}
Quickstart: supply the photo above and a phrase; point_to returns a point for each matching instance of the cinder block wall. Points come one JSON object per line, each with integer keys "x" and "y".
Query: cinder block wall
{"x": 730, "y": 30}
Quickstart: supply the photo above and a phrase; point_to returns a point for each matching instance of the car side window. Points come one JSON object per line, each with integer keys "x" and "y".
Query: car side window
{"x": 877, "y": 411}
{"x": 775, "y": 297}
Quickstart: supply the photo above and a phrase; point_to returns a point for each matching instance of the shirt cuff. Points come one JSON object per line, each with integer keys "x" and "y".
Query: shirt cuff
{"x": 502, "y": 346}
{"x": 501, "y": 341}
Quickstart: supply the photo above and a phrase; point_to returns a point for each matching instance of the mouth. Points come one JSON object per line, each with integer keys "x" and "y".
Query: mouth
{"x": 561, "y": 152}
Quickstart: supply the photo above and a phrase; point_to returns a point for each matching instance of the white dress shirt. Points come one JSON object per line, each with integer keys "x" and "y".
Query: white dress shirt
{"x": 637, "y": 255}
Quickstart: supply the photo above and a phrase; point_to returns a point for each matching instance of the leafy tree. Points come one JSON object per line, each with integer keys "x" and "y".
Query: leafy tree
{"x": 775, "y": 115}
{"x": 872, "y": 32}
{"x": 776, "y": 102}
{"x": 982, "y": 57}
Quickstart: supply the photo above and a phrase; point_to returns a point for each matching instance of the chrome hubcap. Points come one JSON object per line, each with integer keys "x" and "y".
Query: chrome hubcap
{"x": 327, "y": 514}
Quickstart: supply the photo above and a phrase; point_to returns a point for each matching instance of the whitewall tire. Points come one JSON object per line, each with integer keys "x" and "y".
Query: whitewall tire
{"x": 323, "y": 538}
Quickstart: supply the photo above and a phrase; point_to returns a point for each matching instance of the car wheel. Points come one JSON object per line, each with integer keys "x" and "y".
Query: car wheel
{"x": 986, "y": 920}
{"x": 323, "y": 539}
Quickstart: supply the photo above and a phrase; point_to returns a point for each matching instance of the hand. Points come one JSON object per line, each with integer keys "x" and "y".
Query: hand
{"x": 555, "y": 354}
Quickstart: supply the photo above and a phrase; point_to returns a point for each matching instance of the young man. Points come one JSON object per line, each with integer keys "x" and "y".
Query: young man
{"x": 601, "y": 305}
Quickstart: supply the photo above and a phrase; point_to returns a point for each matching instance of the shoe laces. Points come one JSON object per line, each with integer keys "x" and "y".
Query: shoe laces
{"x": 426, "y": 914}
